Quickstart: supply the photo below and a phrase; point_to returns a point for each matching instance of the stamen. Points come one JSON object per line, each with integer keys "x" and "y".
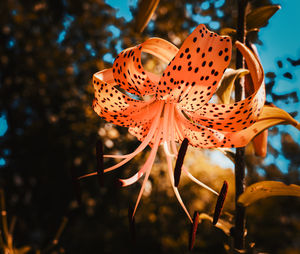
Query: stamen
{"x": 193, "y": 231}
{"x": 186, "y": 91}
{"x": 195, "y": 180}
{"x": 176, "y": 190}
{"x": 168, "y": 153}
{"x": 100, "y": 164}
{"x": 179, "y": 161}
{"x": 149, "y": 163}
{"x": 178, "y": 126}
{"x": 220, "y": 202}
{"x": 166, "y": 129}
{"x": 140, "y": 148}
{"x": 173, "y": 145}
{"x": 140, "y": 173}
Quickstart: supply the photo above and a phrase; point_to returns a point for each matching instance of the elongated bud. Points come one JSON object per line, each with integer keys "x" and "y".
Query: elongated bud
{"x": 220, "y": 202}
{"x": 100, "y": 165}
{"x": 131, "y": 221}
{"x": 193, "y": 231}
{"x": 76, "y": 186}
{"x": 179, "y": 161}
{"x": 260, "y": 143}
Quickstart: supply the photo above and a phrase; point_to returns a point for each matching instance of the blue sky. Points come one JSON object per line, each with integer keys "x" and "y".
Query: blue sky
{"x": 281, "y": 39}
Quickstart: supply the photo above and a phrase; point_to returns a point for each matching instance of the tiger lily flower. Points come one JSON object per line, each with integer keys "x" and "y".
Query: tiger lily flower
{"x": 179, "y": 108}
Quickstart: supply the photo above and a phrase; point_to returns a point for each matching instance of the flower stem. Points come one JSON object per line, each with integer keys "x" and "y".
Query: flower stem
{"x": 239, "y": 240}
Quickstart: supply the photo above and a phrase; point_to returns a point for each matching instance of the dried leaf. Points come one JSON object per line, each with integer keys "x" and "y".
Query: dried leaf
{"x": 227, "y": 83}
{"x": 266, "y": 189}
{"x": 259, "y": 17}
{"x": 145, "y": 12}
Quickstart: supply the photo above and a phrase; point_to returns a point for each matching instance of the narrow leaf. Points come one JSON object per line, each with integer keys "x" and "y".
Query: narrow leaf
{"x": 220, "y": 203}
{"x": 225, "y": 89}
{"x": 145, "y": 11}
{"x": 266, "y": 189}
{"x": 179, "y": 161}
{"x": 260, "y": 16}
{"x": 193, "y": 231}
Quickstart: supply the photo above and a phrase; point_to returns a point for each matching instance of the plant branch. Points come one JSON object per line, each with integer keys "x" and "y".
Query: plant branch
{"x": 239, "y": 232}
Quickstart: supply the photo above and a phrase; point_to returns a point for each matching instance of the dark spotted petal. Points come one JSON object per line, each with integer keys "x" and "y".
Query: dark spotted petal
{"x": 193, "y": 75}
{"x": 199, "y": 136}
{"x": 269, "y": 117}
{"x": 147, "y": 114}
{"x": 116, "y": 107}
{"x": 128, "y": 70}
{"x": 140, "y": 131}
{"x": 240, "y": 115}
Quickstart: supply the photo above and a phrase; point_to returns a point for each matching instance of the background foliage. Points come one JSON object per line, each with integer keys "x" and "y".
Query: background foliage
{"x": 49, "y": 51}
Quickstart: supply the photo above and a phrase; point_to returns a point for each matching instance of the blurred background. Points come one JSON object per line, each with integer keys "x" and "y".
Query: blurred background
{"x": 49, "y": 52}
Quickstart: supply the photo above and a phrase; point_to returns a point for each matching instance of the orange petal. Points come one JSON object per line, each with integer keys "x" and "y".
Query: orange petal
{"x": 269, "y": 117}
{"x": 129, "y": 72}
{"x": 193, "y": 75}
{"x": 199, "y": 136}
{"x": 236, "y": 116}
{"x": 113, "y": 105}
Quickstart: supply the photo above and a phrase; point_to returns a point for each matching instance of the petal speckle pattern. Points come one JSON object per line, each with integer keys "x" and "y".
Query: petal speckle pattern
{"x": 179, "y": 108}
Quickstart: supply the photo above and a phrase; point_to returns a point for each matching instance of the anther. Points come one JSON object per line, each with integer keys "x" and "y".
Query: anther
{"x": 193, "y": 232}
{"x": 220, "y": 202}
{"x": 179, "y": 161}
